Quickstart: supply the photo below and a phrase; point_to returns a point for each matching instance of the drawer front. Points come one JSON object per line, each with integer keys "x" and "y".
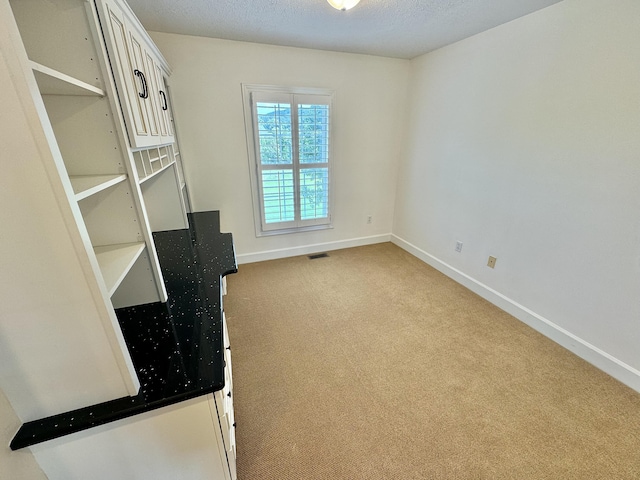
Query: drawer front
{"x": 224, "y": 399}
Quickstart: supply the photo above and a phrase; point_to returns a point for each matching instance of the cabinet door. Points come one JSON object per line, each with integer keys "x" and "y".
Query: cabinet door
{"x": 227, "y": 449}
{"x": 166, "y": 117}
{"x": 130, "y": 84}
{"x": 133, "y": 66}
{"x": 176, "y": 442}
{"x": 143, "y": 69}
{"x": 151, "y": 102}
{"x": 162, "y": 97}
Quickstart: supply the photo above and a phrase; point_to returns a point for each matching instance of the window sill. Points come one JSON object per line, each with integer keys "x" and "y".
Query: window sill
{"x": 284, "y": 231}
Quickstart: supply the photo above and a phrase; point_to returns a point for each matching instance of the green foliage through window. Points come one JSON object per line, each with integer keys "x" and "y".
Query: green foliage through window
{"x": 274, "y": 131}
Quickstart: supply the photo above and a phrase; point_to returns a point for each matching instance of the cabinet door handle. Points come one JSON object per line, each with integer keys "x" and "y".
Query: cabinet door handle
{"x": 229, "y": 348}
{"x": 234, "y": 424}
{"x": 229, "y": 394}
{"x": 145, "y": 90}
{"x": 164, "y": 100}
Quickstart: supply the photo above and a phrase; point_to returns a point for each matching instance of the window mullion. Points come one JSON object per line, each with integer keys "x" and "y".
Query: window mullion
{"x": 314, "y": 165}
{"x": 276, "y": 166}
{"x": 295, "y": 129}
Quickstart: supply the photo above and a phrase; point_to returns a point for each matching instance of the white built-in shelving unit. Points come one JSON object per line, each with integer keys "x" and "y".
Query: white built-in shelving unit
{"x": 61, "y": 64}
{"x": 88, "y": 132}
{"x": 85, "y": 185}
{"x": 65, "y": 70}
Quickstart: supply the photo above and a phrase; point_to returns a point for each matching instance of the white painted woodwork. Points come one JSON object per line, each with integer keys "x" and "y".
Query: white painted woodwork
{"x": 152, "y": 161}
{"x": 62, "y": 347}
{"x": 138, "y": 286}
{"x": 177, "y": 153}
{"x": 98, "y": 151}
{"x": 78, "y": 244}
{"x": 180, "y": 168}
{"x": 216, "y": 403}
{"x": 60, "y": 35}
{"x": 153, "y": 102}
{"x": 138, "y": 56}
{"x": 158, "y": 75}
{"x": 178, "y": 441}
{"x": 164, "y": 97}
{"x": 161, "y": 169}
{"x": 116, "y": 260}
{"x": 129, "y": 84}
{"x": 191, "y": 440}
{"x": 110, "y": 216}
{"x": 135, "y": 63}
{"x": 163, "y": 198}
{"x": 85, "y": 138}
{"x": 223, "y": 404}
{"x": 52, "y": 82}
{"x": 107, "y": 150}
{"x": 86, "y": 185}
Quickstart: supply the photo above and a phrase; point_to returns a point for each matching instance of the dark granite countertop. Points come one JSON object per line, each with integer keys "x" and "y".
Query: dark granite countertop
{"x": 177, "y": 346}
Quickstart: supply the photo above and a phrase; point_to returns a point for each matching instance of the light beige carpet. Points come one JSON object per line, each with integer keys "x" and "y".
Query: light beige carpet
{"x": 370, "y": 364}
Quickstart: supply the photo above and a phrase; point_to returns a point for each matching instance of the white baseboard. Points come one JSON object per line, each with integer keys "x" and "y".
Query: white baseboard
{"x": 592, "y": 354}
{"x": 314, "y": 248}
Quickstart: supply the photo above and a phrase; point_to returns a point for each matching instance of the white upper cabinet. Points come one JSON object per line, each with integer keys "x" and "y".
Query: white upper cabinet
{"x": 139, "y": 70}
{"x": 166, "y": 118}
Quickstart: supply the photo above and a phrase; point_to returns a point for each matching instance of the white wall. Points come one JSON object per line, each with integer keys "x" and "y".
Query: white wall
{"x": 369, "y": 106}
{"x": 524, "y": 143}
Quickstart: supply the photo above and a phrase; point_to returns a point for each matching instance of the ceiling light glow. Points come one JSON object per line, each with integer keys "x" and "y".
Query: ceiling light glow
{"x": 343, "y": 4}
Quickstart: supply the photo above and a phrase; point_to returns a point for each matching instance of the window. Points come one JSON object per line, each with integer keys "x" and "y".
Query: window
{"x": 288, "y": 131}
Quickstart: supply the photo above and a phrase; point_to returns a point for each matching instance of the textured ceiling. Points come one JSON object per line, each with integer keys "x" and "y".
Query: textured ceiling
{"x": 390, "y": 28}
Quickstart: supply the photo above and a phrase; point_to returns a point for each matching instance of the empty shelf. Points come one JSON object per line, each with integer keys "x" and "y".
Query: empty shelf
{"x": 87, "y": 185}
{"x": 116, "y": 260}
{"x": 153, "y": 174}
{"x": 52, "y": 82}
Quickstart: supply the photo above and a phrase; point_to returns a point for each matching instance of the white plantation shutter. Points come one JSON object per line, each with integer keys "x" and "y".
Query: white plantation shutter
{"x": 313, "y": 155}
{"x": 291, "y": 140}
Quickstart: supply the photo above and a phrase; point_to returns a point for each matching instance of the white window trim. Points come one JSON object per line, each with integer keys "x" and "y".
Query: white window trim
{"x": 247, "y": 90}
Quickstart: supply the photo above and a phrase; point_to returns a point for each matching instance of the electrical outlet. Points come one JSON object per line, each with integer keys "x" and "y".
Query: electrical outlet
{"x": 369, "y": 219}
{"x": 458, "y": 246}
{"x": 492, "y": 262}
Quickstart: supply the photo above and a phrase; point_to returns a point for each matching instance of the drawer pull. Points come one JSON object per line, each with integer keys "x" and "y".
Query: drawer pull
{"x": 234, "y": 424}
{"x": 229, "y": 394}
{"x": 229, "y": 348}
